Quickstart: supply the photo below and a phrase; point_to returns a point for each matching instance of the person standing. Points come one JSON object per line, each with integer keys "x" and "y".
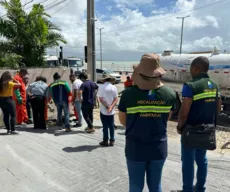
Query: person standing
{"x": 87, "y": 93}
{"x": 108, "y": 98}
{"x": 128, "y": 82}
{"x": 60, "y": 92}
{"x": 200, "y": 102}
{"x": 28, "y": 104}
{"x": 21, "y": 105}
{"x": 76, "y": 101}
{"x": 7, "y": 104}
{"x": 37, "y": 95}
{"x": 144, "y": 110}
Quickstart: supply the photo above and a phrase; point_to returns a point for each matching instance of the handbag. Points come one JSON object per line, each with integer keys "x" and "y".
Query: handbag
{"x": 201, "y": 136}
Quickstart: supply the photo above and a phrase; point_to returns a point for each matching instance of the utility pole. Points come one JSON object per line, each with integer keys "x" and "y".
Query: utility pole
{"x": 91, "y": 59}
{"x": 101, "y": 46}
{"x": 182, "y": 31}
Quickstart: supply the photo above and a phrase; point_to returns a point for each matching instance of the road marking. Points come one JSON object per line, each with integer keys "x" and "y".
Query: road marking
{"x": 48, "y": 180}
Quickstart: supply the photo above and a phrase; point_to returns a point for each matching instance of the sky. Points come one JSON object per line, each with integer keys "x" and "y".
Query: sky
{"x": 134, "y": 27}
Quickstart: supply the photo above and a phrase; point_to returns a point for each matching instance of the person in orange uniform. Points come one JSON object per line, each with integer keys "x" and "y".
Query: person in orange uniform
{"x": 21, "y": 106}
{"x": 128, "y": 82}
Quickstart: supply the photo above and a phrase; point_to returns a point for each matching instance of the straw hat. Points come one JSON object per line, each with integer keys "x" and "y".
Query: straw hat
{"x": 107, "y": 77}
{"x": 147, "y": 74}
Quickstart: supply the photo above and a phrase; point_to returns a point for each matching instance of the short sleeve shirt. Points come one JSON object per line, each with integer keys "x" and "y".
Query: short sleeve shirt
{"x": 76, "y": 86}
{"x": 88, "y": 91}
{"x": 108, "y": 93}
{"x": 187, "y": 91}
{"x": 8, "y": 90}
{"x": 146, "y": 122}
{"x": 37, "y": 88}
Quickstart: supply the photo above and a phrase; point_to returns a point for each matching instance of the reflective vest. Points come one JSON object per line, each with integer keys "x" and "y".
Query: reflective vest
{"x": 204, "y": 100}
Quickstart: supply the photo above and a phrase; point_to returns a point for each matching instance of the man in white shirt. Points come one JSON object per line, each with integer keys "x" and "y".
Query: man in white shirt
{"x": 108, "y": 98}
{"x": 76, "y": 84}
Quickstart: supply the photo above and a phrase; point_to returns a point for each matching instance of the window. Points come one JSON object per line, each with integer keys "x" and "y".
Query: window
{"x": 75, "y": 63}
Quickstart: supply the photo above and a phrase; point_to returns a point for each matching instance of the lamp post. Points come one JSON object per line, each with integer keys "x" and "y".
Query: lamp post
{"x": 182, "y": 31}
{"x": 101, "y": 46}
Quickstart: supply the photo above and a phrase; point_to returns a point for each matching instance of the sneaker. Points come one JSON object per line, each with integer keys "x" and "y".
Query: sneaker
{"x": 78, "y": 125}
{"x": 8, "y": 132}
{"x": 111, "y": 143}
{"x": 92, "y": 130}
{"x": 15, "y": 133}
{"x": 104, "y": 143}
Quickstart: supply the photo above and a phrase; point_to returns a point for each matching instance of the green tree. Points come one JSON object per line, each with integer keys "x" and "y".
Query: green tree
{"x": 27, "y": 35}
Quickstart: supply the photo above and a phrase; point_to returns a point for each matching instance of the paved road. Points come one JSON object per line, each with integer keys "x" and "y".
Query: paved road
{"x": 51, "y": 161}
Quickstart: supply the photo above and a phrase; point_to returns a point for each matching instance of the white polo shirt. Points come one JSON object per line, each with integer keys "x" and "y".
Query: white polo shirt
{"x": 76, "y": 85}
{"x": 108, "y": 92}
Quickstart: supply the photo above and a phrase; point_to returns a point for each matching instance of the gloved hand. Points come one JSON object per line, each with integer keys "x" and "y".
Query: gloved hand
{"x": 20, "y": 101}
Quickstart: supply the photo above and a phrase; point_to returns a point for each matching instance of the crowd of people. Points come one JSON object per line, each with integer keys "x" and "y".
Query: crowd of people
{"x": 145, "y": 106}
{"x": 28, "y": 103}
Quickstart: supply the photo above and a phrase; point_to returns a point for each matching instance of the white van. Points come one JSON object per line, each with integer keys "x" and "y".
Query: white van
{"x": 101, "y": 72}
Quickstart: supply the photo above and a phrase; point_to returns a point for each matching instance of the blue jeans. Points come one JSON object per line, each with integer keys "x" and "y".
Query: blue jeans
{"x": 108, "y": 123}
{"x": 77, "y": 105}
{"x": 65, "y": 107}
{"x": 137, "y": 171}
{"x": 189, "y": 155}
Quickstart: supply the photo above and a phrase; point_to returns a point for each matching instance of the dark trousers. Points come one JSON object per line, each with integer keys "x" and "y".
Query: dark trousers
{"x": 87, "y": 111}
{"x": 108, "y": 124}
{"x": 28, "y": 108}
{"x": 38, "y": 108}
{"x": 7, "y": 105}
{"x": 189, "y": 155}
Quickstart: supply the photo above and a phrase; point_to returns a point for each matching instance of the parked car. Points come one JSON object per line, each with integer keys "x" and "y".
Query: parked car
{"x": 101, "y": 72}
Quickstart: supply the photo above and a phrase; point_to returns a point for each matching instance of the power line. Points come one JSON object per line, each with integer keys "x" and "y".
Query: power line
{"x": 54, "y": 4}
{"x": 57, "y": 3}
{"x": 62, "y": 7}
{"x": 195, "y": 9}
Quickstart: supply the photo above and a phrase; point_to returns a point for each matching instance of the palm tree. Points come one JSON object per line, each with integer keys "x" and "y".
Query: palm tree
{"x": 27, "y": 34}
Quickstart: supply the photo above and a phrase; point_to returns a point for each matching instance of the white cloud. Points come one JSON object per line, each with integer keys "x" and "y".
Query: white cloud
{"x": 204, "y": 29}
{"x": 207, "y": 42}
{"x": 133, "y": 3}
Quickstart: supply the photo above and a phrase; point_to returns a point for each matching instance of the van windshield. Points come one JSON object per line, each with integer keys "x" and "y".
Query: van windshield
{"x": 75, "y": 63}
{"x": 52, "y": 63}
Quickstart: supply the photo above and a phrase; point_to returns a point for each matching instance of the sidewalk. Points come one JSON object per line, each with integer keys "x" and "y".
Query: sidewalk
{"x": 49, "y": 161}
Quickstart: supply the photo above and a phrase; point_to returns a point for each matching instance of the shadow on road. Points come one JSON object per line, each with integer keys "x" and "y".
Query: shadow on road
{"x": 226, "y": 146}
{"x": 82, "y": 148}
{"x": 117, "y": 127}
{"x": 54, "y": 131}
{"x": 60, "y": 133}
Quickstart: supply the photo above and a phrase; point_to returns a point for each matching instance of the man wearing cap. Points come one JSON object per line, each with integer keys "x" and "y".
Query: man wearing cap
{"x": 60, "y": 92}
{"x": 21, "y": 110}
{"x": 144, "y": 110}
{"x": 108, "y": 98}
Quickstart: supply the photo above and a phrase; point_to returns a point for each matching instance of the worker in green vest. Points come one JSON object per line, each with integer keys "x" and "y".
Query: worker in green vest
{"x": 200, "y": 102}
